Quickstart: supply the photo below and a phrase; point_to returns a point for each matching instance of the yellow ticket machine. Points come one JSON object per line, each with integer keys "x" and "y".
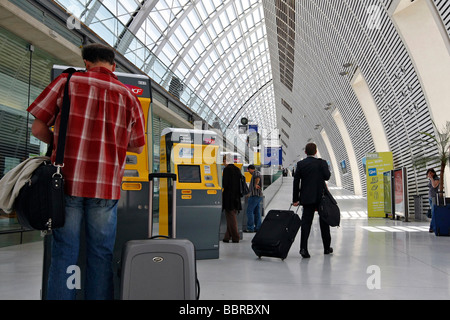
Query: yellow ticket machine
{"x": 193, "y": 156}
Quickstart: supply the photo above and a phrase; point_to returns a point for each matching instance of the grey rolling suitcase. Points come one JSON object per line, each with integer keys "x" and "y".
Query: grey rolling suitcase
{"x": 159, "y": 268}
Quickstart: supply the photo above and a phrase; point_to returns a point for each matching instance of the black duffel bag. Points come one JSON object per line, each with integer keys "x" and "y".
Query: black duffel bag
{"x": 329, "y": 210}
{"x": 40, "y": 204}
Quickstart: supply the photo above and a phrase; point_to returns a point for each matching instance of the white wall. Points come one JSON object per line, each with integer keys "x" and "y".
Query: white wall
{"x": 428, "y": 44}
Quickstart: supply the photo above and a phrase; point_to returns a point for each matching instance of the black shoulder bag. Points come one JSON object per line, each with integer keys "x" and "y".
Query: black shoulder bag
{"x": 243, "y": 187}
{"x": 40, "y": 204}
{"x": 328, "y": 209}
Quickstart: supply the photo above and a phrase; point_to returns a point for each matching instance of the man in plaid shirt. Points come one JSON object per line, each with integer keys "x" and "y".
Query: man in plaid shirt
{"x": 105, "y": 121}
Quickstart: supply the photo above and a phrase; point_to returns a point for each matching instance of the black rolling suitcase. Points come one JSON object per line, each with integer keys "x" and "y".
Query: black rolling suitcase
{"x": 277, "y": 233}
{"x": 161, "y": 267}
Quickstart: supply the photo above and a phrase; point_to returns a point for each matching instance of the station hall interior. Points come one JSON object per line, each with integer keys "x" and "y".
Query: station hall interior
{"x": 362, "y": 79}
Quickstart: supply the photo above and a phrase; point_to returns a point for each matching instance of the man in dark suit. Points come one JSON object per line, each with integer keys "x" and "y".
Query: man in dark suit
{"x": 312, "y": 172}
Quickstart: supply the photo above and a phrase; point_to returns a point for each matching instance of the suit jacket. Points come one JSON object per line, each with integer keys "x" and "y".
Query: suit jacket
{"x": 309, "y": 180}
{"x": 231, "y": 183}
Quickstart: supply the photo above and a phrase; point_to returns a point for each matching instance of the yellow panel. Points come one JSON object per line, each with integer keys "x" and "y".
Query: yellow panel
{"x": 211, "y": 191}
{"x": 163, "y": 196}
{"x": 257, "y": 159}
{"x": 202, "y": 155}
{"x": 142, "y": 166}
{"x": 186, "y": 197}
{"x": 376, "y": 164}
{"x": 211, "y": 173}
{"x": 131, "y": 186}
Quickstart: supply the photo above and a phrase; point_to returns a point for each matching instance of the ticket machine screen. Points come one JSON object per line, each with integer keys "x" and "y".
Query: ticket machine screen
{"x": 189, "y": 174}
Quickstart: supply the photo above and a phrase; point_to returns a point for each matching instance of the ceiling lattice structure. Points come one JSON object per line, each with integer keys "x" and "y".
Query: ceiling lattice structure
{"x": 217, "y": 50}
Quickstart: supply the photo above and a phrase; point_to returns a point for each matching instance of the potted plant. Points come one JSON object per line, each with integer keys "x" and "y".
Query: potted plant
{"x": 442, "y": 141}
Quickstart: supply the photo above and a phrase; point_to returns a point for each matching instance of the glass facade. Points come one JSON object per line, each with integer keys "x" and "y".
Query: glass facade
{"x": 24, "y": 73}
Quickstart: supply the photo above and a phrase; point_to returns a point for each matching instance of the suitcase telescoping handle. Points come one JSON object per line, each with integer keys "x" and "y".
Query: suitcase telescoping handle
{"x": 442, "y": 194}
{"x": 168, "y": 176}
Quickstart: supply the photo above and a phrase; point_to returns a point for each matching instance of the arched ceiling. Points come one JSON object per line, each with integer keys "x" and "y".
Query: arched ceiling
{"x": 287, "y": 65}
{"x": 218, "y": 49}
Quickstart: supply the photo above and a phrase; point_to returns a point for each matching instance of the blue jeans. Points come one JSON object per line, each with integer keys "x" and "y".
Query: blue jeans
{"x": 432, "y": 223}
{"x": 253, "y": 213}
{"x": 100, "y": 218}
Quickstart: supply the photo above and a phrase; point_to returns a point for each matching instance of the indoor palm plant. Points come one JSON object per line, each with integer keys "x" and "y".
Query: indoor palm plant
{"x": 442, "y": 141}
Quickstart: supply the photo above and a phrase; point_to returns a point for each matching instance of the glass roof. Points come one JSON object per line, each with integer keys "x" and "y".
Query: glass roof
{"x": 217, "y": 48}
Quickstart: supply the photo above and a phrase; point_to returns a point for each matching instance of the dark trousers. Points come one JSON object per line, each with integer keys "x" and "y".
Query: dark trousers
{"x": 307, "y": 219}
{"x": 232, "y": 227}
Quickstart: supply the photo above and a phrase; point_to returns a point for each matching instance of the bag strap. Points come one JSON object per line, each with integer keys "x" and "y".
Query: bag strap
{"x": 325, "y": 189}
{"x": 64, "y": 120}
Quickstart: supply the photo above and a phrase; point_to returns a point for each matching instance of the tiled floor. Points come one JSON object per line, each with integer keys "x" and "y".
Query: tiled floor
{"x": 372, "y": 259}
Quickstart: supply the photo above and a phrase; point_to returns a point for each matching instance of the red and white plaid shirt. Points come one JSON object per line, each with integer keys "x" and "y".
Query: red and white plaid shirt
{"x": 105, "y": 118}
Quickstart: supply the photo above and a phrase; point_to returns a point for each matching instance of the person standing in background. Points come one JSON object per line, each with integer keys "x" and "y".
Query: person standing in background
{"x": 433, "y": 185}
{"x": 254, "y": 201}
{"x": 231, "y": 198}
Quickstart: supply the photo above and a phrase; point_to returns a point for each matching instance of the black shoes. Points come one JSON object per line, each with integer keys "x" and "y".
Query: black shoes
{"x": 304, "y": 253}
{"x": 228, "y": 241}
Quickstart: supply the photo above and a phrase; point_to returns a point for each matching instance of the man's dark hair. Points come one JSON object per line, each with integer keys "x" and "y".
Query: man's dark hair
{"x": 251, "y": 167}
{"x": 97, "y": 52}
{"x": 311, "y": 149}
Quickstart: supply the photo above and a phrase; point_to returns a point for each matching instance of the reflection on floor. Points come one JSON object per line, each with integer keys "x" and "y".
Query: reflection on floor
{"x": 372, "y": 259}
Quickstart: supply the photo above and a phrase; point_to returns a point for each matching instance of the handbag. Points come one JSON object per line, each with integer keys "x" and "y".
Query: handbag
{"x": 328, "y": 209}
{"x": 40, "y": 204}
{"x": 243, "y": 187}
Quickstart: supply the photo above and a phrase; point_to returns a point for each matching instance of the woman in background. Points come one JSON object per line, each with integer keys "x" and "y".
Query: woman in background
{"x": 433, "y": 185}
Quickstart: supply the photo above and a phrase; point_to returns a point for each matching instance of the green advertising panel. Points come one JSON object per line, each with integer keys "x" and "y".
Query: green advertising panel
{"x": 376, "y": 164}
